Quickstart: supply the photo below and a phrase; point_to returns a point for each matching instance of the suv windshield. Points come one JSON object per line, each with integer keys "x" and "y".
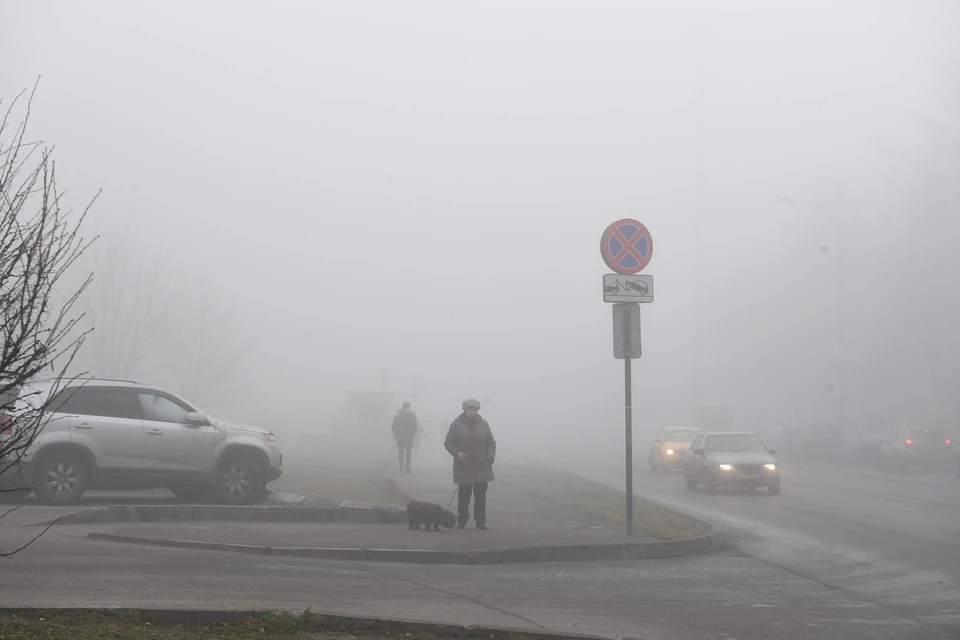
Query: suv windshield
{"x": 734, "y": 442}
{"x": 680, "y": 436}
{"x": 8, "y": 400}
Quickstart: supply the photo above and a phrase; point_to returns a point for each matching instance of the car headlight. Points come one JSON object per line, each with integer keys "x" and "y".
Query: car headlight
{"x": 770, "y": 467}
{"x": 725, "y": 467}
{"x": 669, "y": 452}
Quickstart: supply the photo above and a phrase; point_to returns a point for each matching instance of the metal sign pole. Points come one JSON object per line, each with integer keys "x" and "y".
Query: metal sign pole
{"x": 626, "y": 246}
{"x": 628, "y": 403}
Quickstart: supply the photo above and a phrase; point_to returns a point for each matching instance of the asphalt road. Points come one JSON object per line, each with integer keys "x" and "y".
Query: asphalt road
{"x": 723, "y": 596}
{"x": 892, "y": 539}
{"x": 839, "y": 554}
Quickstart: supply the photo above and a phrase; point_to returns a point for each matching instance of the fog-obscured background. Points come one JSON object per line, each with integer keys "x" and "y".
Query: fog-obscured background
{"x": 302, "y": 200}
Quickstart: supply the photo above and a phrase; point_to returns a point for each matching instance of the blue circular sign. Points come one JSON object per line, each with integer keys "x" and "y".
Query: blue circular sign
{"x": 626, "y": 246}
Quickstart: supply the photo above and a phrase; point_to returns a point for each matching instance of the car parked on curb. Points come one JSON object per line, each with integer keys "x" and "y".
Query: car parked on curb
{"x": 669, "y": 446}
{"x": 731, "y": 459}
{"x": 115, "y": 434}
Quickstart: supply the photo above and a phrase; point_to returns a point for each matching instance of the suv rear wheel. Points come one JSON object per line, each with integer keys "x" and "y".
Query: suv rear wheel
{"x": 61, "y": 478}
{"x": 239, "y": 481}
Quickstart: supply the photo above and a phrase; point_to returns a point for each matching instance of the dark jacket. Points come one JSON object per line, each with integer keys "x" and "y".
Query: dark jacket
{"x": 474, "y": 439}
{"x": 404, "y": 427}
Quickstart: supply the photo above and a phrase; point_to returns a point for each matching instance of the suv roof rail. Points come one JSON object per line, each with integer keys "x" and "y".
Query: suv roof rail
{"x": 105, "y": 379}
{"x": 70, "y": 378}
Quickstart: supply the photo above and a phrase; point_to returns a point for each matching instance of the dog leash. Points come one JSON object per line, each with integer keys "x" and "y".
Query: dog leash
{"x": 452, "y": 497}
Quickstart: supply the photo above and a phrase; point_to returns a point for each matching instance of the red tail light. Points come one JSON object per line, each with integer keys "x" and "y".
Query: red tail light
{"x": 6, "y": 425}
{"x": 948, "y": 440}
{"x": 909, "y": 441}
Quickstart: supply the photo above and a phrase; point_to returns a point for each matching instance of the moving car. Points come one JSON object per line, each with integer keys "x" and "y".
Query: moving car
{"x": 669, "y": 447}
{"x": 113, "y": 434}
{"x": 916, "y": 448}
{"x": 730, "y": 459}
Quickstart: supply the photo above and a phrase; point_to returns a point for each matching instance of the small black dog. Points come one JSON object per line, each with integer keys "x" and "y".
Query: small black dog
{"x": 432, "y": 515}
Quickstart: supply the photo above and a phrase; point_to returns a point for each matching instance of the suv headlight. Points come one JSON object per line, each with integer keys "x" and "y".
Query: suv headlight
{"x": 725, "y": 467}
{"x": 770, "y": 467}
{"x": 669, "y": 452}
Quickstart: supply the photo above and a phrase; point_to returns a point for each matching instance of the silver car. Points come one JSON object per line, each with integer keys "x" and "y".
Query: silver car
{"x": 111, "y": 434}
{"x": 730, "y": 459}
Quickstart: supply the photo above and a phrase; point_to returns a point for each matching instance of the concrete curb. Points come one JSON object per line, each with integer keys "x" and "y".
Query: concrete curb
{"x": 374, "y": 514}
{"x": 282, "y": 499}
{"x": 699, "y": 545}
{"x": 328, "y": 621}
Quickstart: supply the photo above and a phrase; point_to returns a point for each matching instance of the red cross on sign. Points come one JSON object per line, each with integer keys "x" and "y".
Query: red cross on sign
{"x": 626, "y": 246}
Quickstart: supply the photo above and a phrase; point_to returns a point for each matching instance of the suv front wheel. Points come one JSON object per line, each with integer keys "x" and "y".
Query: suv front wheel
{"x": 61, "y": 479}
{"x": 239, "y": 481}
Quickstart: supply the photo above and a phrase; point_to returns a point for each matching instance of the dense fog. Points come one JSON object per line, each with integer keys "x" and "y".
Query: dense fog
{"x": 305, "y": 200}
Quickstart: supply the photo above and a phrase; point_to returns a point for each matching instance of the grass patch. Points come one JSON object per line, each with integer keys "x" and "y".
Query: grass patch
{"x": 600, "y": 502}
{"x": 95, "y": 625}
{"x": 359, "y": 481}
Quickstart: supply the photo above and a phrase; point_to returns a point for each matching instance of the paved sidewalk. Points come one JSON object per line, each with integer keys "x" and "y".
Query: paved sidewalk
{"x": 510, "y": 513}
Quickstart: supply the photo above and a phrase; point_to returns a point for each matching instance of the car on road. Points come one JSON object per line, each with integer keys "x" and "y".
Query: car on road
{"x": 114, "y": 434}
{"x": 669, "y": 446}
{"x": 730, "y": 459}
{"x": 916, "y": 447}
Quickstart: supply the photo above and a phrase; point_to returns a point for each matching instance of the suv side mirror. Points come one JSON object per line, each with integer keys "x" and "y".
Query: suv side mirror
{"x": 196, "y": 419}
{"x": 772, "y": 451}
{"x": 698, "y": 451}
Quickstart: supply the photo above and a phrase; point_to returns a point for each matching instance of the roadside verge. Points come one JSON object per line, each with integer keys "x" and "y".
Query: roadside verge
{"x": 644, "y": 550}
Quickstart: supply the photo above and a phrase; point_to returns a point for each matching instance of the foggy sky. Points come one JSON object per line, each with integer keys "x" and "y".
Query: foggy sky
{"x": 421, "y": 187}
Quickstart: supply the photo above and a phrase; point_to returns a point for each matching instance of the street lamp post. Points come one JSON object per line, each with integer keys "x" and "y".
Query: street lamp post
{"x": 840, "y": 349}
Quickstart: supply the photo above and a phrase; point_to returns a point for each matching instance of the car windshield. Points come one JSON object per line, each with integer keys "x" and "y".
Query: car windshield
{"x": 734, "y": 442}
{"x": 680, "y": 436}
{"x": 8, "y": 400}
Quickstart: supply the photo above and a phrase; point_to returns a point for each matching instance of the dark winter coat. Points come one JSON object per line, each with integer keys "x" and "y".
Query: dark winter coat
{"x": 405, "y": 427}
{"x": 474, "y": 439}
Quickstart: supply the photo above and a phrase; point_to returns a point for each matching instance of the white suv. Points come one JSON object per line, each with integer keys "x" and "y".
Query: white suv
{"x": 111, "y": 434}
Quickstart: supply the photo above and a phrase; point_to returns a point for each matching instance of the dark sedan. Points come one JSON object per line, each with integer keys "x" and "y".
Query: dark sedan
{"x": 730, "y": 459}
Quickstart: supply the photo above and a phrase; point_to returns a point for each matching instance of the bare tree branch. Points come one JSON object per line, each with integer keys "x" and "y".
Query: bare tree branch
{"x": 39, "y": 242}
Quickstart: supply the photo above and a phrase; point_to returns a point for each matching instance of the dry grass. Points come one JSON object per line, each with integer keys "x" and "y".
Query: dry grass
{"x": 359, "y": 481}
{"x": 600, "y": 502}
{"x": 94, "y": 625}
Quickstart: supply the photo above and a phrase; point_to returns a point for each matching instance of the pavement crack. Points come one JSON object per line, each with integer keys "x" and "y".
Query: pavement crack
{"x": 454, "y": 594}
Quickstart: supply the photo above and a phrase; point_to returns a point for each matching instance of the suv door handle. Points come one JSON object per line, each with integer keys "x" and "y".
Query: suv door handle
{"x": 82, "y": 425}
{"x": 155, "y": 432}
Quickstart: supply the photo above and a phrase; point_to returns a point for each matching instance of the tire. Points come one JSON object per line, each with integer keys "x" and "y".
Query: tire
{"x": 653, "y": 465}
{"x": 774, "y": 488}
{"x": 710, "y": 486}
{"x": 61, "y": 479}
{"x": 239, "y": 481}
{"x": 188, "y": 493}
{"x": 691, "y": 483}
